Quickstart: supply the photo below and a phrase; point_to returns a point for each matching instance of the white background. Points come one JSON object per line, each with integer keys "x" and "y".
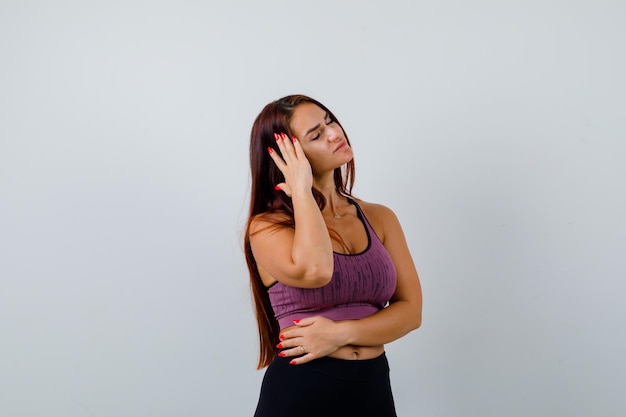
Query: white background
{"x": 494, "y": 129}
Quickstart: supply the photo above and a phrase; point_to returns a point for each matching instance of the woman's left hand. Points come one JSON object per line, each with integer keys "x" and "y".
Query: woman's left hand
{"x": 311, "y": 338}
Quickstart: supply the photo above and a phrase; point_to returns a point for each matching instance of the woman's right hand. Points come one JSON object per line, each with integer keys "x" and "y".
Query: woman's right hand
{"x": 294, "y": 165}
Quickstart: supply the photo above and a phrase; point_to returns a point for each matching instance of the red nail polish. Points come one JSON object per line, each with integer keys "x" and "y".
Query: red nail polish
{"x": 279, "y": 346}
{"x": 276, "y": 136}
{"x": 292, "y": 362}
{"x": 293, "y": 139}
{"x": 277, "y": 188}
{"x": 281, "y": 337}
{"x": 270, "y": 150}
{"x": 296, "y": 321}
{"x": 281, "y": 354}
{"x": 283, "y": 135}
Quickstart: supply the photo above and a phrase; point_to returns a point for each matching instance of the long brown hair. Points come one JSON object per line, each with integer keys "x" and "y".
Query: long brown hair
{"x": 264, "y": 199}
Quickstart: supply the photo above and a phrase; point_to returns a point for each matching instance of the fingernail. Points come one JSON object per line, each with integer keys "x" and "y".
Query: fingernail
{"x": 279, "y": 346}
{"x": 293, "y": 139}
{"x": 283, "y": 135}
{"x": 296, "y": 321}
{"x": 281, "y": 354}
{"x": 293, "y": 362}
{"x": 282, "y": 336}
{"x": 277, "y": 188}
{"x": 270, "y": 150}
{"x": 276, "y": 136}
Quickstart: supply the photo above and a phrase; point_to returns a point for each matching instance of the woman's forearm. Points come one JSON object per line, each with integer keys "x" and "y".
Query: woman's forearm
{"x": 323, "y": 337}
{"x": 383, "y": 327}
{"x": 312, "y": 251}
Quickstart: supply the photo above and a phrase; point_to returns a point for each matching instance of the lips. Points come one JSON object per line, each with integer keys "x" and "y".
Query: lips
{"x": 341, "y": 145}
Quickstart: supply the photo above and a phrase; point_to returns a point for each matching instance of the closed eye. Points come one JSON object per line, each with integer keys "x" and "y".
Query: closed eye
{"x": 328, "y": 120}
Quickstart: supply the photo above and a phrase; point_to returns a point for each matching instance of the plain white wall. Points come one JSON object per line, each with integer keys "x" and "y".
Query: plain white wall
{"x": 495, "y": 130}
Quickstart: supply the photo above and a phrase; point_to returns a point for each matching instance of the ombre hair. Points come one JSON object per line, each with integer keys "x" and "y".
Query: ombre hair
{"x": 265, "y": 200}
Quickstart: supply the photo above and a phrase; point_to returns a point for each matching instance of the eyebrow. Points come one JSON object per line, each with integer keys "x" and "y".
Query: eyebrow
{"x": 314, "y": 128}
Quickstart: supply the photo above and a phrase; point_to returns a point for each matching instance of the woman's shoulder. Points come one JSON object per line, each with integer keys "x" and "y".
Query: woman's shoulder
{"x": 379, "y": 211}
{"x": 379, "y": 215}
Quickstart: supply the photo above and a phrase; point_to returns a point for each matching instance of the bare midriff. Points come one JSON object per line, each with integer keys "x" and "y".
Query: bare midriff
{"x": 354, "y": 352}
{"x": 351, "y": 352}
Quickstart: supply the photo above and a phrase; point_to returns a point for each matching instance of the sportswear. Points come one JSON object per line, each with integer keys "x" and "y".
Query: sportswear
{"x": 361, "y": 285}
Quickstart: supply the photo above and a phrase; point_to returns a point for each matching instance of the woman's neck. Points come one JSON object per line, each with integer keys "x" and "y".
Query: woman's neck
{"x": 335, "y": 202}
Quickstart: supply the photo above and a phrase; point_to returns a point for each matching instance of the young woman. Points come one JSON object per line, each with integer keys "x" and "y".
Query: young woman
{"x": 331, "y": 275}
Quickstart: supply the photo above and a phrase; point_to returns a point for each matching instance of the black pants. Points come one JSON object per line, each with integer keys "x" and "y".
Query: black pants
{"x": 327, "y": 387}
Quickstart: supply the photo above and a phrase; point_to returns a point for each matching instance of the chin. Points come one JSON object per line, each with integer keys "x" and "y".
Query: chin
{"x": 349, "y": 156}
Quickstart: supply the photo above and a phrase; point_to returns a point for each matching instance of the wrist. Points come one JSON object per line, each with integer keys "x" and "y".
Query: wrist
{"x": 301, "y": 192}
{"x": 347, "y": 333}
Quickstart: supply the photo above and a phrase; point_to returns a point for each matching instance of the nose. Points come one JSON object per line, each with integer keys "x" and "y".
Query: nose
{"x": 333, "y": 133}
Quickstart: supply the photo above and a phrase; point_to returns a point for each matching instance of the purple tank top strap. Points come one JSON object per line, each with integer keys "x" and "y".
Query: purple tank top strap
{"x": 373, "y": 237}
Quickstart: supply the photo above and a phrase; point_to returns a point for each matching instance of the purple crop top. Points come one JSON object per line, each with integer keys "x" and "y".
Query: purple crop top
{"x": 361, "y": 285}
